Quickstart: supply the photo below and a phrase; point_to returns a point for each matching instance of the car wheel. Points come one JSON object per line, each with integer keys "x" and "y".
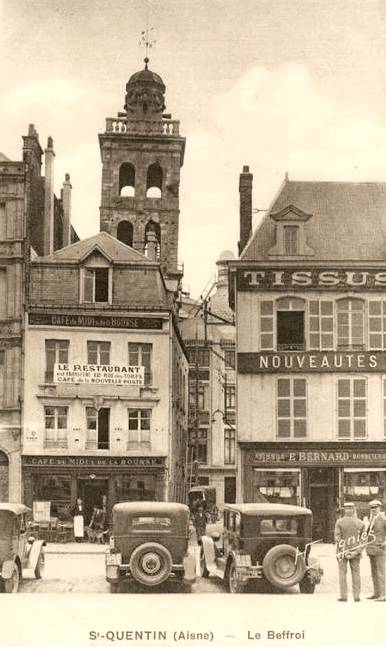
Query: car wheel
{"x": 306, "y": 586}
{"x": 39, "y": 569}
{"x": 151, "y": 564}
{"x": 114, "y": 587}
{"x": 281, "y": 568}
{"x": 12, "y": 585}
{"x": 234, "y": 584}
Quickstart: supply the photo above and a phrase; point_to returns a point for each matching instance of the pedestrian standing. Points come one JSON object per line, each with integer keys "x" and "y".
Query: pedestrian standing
{"x": 376, "y": 549}
{"x": 350, "y": 534}
{"x": 200, "y": 521}
{"x": 77, "y": 512}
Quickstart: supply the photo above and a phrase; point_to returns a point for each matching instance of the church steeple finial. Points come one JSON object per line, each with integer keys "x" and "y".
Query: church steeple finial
{"x": 148, "y": 42}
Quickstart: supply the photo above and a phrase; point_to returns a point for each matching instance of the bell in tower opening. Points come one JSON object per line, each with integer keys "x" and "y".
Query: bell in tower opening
{"x": 142, "y": 153}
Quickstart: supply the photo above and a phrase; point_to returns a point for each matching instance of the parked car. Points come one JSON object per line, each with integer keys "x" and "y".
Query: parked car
{"x": 149, "y": 544}
{"x": 262, "y": 540}
{"x": 19, "y": 553}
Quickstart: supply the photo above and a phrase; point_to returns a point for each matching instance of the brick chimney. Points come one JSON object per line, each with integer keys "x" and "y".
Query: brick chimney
{"x": 66, "y": 203}
{"x": 48, "y": 228}
{"x": 245, "y": 190}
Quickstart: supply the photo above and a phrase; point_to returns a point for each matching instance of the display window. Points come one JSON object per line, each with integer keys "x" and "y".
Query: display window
{"x": 278, "y": 486}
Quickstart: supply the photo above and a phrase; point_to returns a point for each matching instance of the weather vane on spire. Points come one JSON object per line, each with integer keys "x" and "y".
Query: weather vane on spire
{"x": 148, "y": 41}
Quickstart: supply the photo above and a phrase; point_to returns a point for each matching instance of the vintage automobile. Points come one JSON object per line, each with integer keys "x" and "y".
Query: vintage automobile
{"x": 207, "y": 496}
{"x": 262, "y": 540}
{"x": 149, "y": 544}
{"x": 19, "y": 554}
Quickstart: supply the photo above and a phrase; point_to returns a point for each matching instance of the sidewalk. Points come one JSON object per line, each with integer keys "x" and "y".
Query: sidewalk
{"x": 76, "y": 548}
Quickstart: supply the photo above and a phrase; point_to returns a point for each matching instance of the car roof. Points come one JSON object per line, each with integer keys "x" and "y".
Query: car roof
{"x": 267, "y": 509}
{"x": 150, "y": 507}
{"x": 201, "y": 488}
{"x": 16, "y": 508}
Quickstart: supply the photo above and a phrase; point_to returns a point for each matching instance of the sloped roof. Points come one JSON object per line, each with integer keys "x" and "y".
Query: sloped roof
{"x": 109, "y": 246}
{"x": 4, "y": 158}
{"x": 348, "y": 220}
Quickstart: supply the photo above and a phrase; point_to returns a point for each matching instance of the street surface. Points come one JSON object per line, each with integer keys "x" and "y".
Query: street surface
{"x": 80, "y": 568}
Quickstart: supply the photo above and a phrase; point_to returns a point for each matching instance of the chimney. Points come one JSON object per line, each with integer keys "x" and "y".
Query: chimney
{"x": 66, "y": 204}
{"x": 48, "y": 221}
{"x": 151, "y": 245}
{"x": 245, "y": 190}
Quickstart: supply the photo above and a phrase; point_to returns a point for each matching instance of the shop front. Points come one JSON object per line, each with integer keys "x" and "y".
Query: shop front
{"x": 320, "y": 477}
{"x": 98, "y": 481}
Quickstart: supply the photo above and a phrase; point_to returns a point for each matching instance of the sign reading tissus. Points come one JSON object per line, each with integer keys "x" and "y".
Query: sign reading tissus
{"x": 99, "y": 374}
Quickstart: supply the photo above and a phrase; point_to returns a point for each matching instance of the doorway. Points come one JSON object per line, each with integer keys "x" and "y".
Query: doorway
{"x": 92, "y": 492}
{"x": 323, "y": 496}
{"x": 229, "y": 489}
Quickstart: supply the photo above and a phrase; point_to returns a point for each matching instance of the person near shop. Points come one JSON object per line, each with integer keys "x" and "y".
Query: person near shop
{"x": 77, "y": 512}
{"x": 200, "y": 521}
{"x": 376, "y": 536}
{"x": 350, "y": 534}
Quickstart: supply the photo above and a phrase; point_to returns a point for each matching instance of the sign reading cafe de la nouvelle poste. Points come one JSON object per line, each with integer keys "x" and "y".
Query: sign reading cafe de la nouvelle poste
{"x": 99, "y": 374}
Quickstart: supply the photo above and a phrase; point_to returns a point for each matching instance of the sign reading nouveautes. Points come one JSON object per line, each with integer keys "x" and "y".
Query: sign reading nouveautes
{"x": 99, "y": 374}
{"x": 311, "y": 362}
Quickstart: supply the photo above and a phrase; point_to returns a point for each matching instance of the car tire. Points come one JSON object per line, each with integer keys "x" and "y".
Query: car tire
{"x": 12, "y": 585}
{"x": 39, "y": 568}
{"x": 151, "y": 564}
{"x": 234, "y": 586}
{"x": 281, "y": 569}
{"x": 306, "y": 586}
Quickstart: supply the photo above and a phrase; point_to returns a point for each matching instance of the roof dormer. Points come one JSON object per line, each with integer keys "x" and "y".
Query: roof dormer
{"x": 290, "y": 231}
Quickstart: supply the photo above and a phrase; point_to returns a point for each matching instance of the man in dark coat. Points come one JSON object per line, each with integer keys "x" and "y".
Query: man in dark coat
{"x": 350, "y": 533}
{"x": 376, "y": 550}
{"x": 200, "y": 520}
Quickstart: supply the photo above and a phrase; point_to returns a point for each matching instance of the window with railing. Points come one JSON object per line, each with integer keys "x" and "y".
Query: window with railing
{"x": 352, "y": 406}
{"x": 290, "y": 324}
{"x": 55, "y": 426}
{"x": 139, "y": 427}
{"x": 56, "y": 353}
{"x": 141, "y": 355}
{"x": 199, "y": 356}
{"x": 98, "y": 428}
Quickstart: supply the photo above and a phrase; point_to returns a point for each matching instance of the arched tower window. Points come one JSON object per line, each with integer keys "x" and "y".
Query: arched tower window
{"x": 154, "y": 181}
{"x": 125, "y": 232}
{"x": 153, "y": 227}
{"x": 127, "y": 180}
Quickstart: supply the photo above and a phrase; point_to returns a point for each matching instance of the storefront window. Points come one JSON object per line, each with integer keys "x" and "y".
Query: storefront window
{"x": 277, "y": 486}
{"x": 363, "y": 486}
{"x": 57, "y": 490}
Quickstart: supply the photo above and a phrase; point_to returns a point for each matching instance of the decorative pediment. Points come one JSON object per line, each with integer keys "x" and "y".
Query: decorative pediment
{"x": 291, "y": 214}
{"x": 96, "y": 257}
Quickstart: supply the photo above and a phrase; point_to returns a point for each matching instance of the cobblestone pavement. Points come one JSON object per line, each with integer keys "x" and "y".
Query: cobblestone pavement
{"x": 79, "y": 568}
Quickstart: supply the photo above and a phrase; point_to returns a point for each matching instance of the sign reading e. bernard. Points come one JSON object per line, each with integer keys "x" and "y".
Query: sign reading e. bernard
{"x": 268, "y": 278}
{"x": 99, "y": 374}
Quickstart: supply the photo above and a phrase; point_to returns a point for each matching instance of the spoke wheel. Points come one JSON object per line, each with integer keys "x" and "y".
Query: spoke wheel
{"x": 234, "y": 583}
{"x": 12, "y": 585}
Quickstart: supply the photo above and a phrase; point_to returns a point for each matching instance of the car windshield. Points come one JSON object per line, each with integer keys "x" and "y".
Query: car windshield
{"x": 151, "y": 523}
{"x": 286, "y": 526}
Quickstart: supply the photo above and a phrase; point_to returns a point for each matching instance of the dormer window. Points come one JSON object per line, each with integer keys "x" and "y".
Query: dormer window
{"x": 291, "y": 240}
{"x": 290, "y": 230}
{"x": 96, "y": 285}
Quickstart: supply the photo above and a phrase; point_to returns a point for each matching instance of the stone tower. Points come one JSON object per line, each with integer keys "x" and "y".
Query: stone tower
{"x": 142, "y": 153}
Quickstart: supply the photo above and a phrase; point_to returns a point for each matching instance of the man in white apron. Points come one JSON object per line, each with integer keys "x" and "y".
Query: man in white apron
{"x": 78, "y": 514}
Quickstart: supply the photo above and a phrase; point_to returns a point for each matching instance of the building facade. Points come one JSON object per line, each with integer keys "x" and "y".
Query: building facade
{"x": 104, "y": 357}
{"x": 28, "y": 208}
{"x": 208, "y": 331}
{"x": 309, "y": 296}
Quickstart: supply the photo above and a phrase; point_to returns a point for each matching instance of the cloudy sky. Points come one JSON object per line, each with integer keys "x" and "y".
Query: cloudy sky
{"x": 281, "y": 85}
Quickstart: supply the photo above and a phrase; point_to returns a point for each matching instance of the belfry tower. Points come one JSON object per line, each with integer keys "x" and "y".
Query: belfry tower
{"x": 142, "y": 153}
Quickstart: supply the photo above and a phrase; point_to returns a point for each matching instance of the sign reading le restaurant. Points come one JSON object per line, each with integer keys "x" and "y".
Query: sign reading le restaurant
{"x": 268, "y": 278}
{"x": 93, "y": 321}
{"x": 311, "y": 362}
{"x": 99, "y": 374}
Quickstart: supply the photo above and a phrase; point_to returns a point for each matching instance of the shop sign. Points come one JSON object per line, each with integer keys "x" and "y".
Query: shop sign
{"x": 302, "y": 279}
{"x": 94, "y": 321}
{"x": 93, "y": 461}
{"x": 99, "y": 374}
{"x": 316, "y": 457}
{"x": 311, "y": 362}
